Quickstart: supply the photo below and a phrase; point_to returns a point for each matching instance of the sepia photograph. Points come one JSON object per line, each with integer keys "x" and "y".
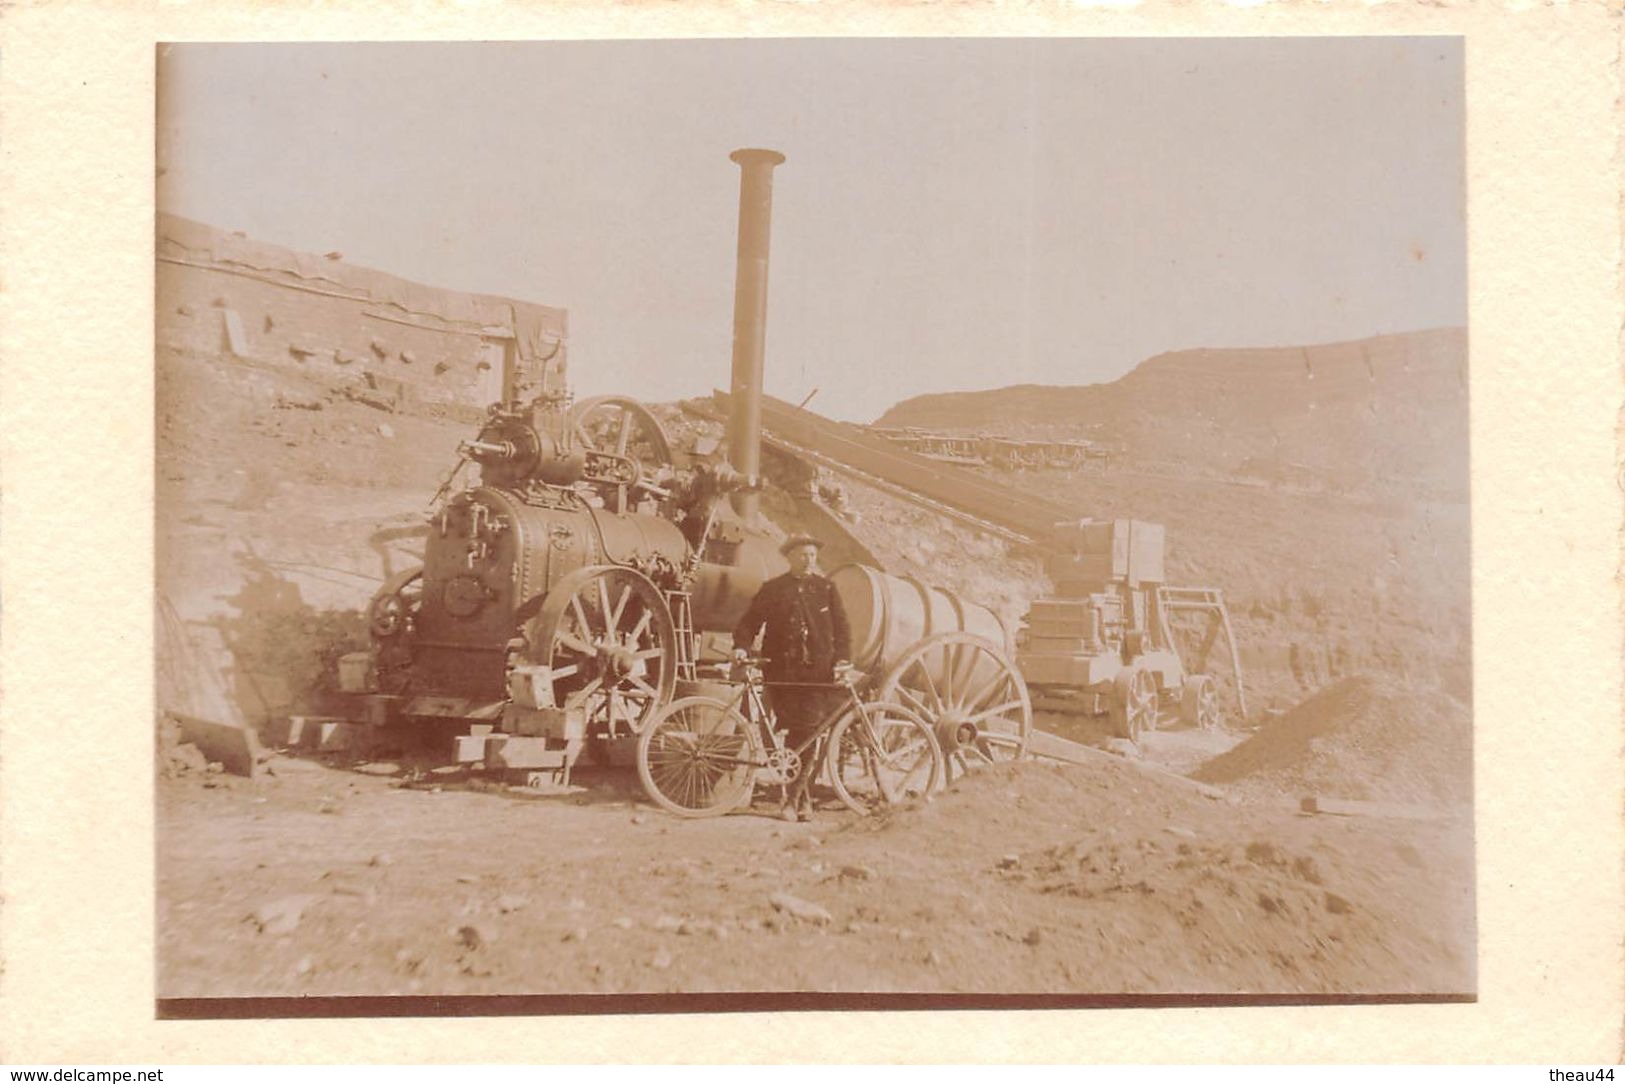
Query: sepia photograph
{"x": 981, "y": 520}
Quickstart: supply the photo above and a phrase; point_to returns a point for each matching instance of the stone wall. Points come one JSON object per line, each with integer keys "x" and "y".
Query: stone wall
{"x": 220, "y": 294}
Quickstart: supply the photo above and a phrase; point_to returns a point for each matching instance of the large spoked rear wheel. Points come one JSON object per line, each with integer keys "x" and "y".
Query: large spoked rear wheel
{"x": 970, "y": 692}
{"x": 697, "y": 757}
{"x": 882, "y": 755}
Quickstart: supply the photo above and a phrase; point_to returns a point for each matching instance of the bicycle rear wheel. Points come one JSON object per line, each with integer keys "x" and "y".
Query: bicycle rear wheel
{"x": 698, "y": 757}
{"x": 881, "y": 755}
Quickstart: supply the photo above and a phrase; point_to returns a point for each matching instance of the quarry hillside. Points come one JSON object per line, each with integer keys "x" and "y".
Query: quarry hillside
{"x": 1384, "y": 413}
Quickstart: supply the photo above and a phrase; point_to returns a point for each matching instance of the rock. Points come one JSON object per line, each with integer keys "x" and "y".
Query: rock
{"x": 668, "y": 923}
{"x": 661, "y": 960}
{"x": 1183, "y": 833}
{"x": 1337, "y": 905}
{"x": 932, "y": 959}
{"x": 1009, "y": 861}
{"x": 1262, "y": 854}
{"x": 576, "y": 904}
{"x": 215, "y": 767}
{"x": 1306, "y": 869}
{"x": 474, "y": 936}
{"x": 380, "y": 859}
{"x": 1124, "y": 748}
{"x": 386, "y": 430}
{"x": 466, "y": 878}
{"x": 187, "y": 758}
{"x": 328, "y": 805}
{"x": 365, "y": 893}
{"x": 282, "y": 915}
{"x": 1273, "y": 905}
{"x": 857, "y": 873}
{"x": 637, "y": 818}
{"x": 800, "y": 908}
{"x": 507, "y": 903}
{"x": 1035, "y": 936}
{"x": 623, "y": 923}
{"x": 577, "y": 934}
{"x": 304, "y": 966}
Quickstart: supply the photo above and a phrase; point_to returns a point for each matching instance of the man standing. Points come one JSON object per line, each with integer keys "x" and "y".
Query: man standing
{"x": 805, "y": 640}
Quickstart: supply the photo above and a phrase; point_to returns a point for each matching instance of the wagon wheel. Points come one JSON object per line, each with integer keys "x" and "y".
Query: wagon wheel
{"x": 1134, "y": 703}
{"x": 607, "y": 636}
{"x": 1199, "y": 702}
{"x": 971, "y": 694}
{"x": 614, "y": 425}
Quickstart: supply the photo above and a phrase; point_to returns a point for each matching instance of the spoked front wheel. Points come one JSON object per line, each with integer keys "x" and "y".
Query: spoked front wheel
{"x": 882, "y": 755}
{"x": 698, "y": 757}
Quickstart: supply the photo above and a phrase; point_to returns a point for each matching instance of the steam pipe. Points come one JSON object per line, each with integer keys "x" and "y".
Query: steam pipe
{"x": 750, "y": 320}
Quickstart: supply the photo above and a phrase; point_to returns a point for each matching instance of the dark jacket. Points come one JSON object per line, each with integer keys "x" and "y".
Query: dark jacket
{"x": 807, "y": 630}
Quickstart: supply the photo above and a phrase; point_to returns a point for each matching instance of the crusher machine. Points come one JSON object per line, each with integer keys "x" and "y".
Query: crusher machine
{"x": 1105, "y": 642}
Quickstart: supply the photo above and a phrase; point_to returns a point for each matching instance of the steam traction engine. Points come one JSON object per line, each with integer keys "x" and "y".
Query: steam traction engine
{"x": 564, "y": 595}
{"x": 565, "y": 598}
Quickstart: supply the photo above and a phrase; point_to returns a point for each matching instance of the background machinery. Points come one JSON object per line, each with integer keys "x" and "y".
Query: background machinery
{"x": 1106, "y": 641}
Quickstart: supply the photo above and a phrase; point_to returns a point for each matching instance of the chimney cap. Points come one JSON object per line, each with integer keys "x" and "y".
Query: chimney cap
{"x": 750, "y": 155}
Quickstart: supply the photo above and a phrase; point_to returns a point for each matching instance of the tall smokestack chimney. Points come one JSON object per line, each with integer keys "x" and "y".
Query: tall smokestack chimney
{"x": 750, "y": 319}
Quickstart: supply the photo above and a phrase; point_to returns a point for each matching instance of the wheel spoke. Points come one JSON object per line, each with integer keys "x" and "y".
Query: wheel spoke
{"x": 576, "y": 643}
{"x": 996, "y": 710}
{"x": 931, "y": 685}
{"x": 576, "y": 698}
{"x": 620, "y": 607}
{"x": 603, "y": 605}
{"x": 998, "y": 679}
{"x": 641, "y": 685}
{"x": 638, "y": 630}
{"x": 565, "y": 671}
{"x": 580, "y": 615}
{"x": 919, "y": 705}
{"x": 625, "y": 432}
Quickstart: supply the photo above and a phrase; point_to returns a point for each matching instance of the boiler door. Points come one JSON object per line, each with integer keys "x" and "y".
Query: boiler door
{"x": 464, "y": 595}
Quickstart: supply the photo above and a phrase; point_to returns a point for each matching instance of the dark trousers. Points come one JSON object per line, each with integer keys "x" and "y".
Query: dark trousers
{"x": 801, "y": 698}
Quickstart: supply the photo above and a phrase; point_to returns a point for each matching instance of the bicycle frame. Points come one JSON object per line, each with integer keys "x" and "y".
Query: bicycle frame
{"x": 752, "y": 694}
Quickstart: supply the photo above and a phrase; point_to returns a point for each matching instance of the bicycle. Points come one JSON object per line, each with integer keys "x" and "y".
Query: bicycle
{"x": 702, "y": 757}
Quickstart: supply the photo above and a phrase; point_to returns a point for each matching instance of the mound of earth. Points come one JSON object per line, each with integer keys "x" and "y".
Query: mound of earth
{"x": 1360, "y": 738}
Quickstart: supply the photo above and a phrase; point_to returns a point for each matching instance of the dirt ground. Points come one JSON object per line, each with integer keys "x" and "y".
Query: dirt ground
{"x": 340, "y": 879}
{"x": 334, "y": 876}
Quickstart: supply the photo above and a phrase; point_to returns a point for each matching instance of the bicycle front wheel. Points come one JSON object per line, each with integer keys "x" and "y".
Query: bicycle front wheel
{"x": 881, "y": 755}
{"x": 698, "y": 757}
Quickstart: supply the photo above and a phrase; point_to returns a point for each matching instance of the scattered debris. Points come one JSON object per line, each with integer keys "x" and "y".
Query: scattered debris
{"x": 282, "y": 915}
{"x": 800, "y": 908}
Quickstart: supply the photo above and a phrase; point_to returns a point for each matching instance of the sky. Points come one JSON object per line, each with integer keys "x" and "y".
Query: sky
{"x": 953, "y": 214}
